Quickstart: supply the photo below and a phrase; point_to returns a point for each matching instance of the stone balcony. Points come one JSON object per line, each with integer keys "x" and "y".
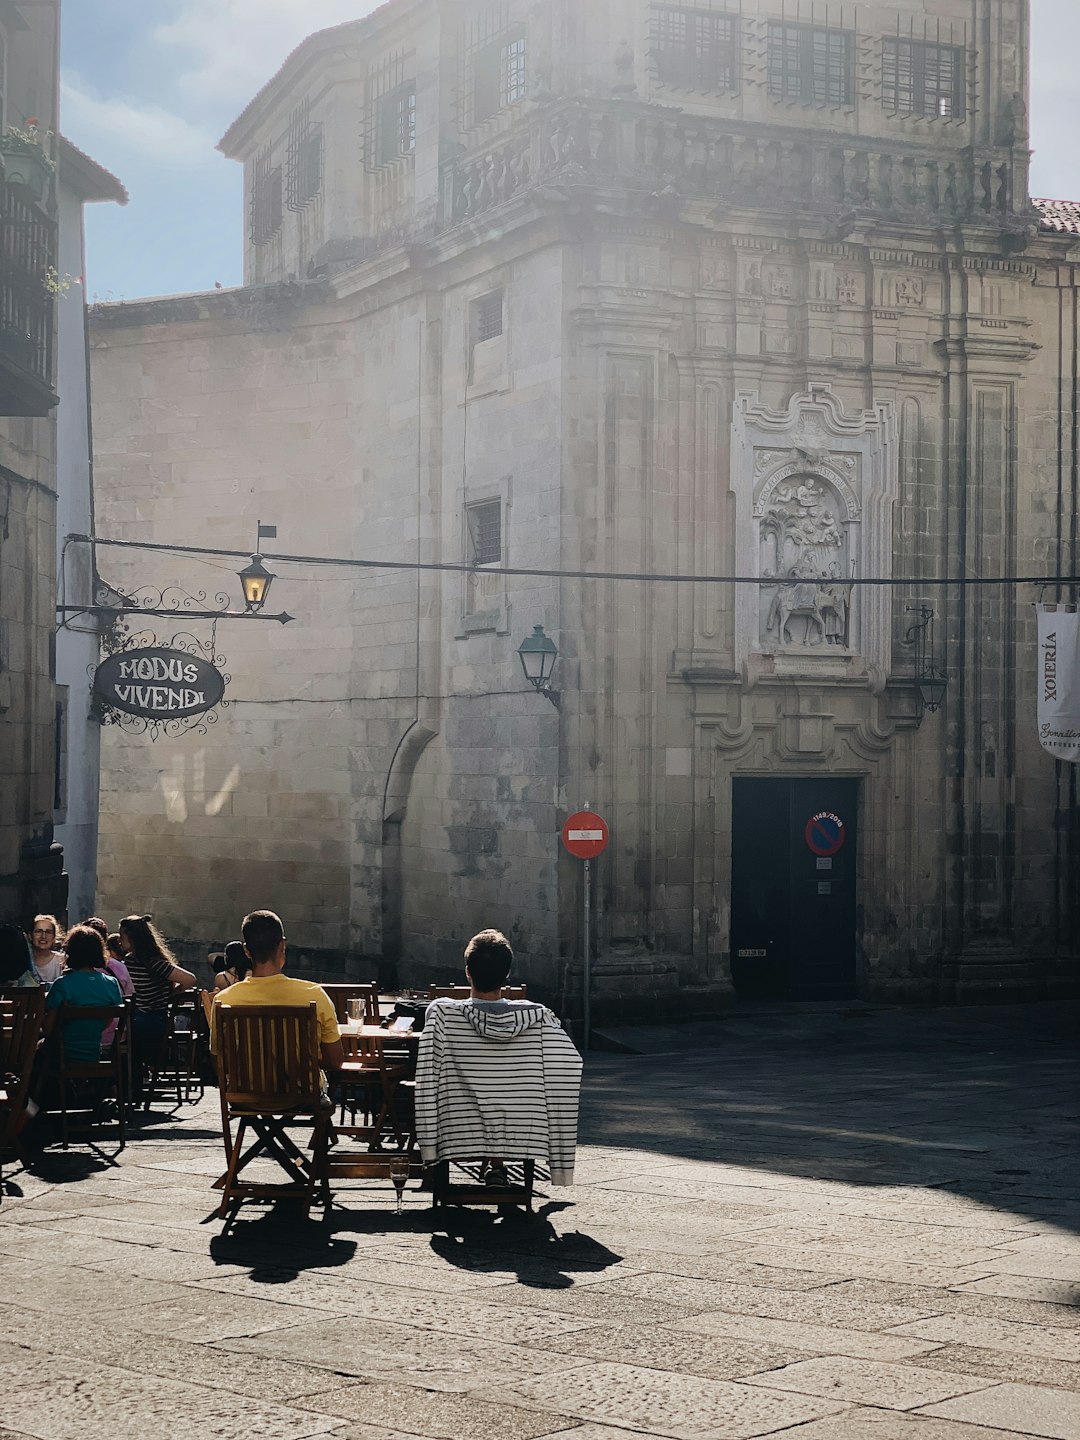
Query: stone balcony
{"x": 661, "y": 158}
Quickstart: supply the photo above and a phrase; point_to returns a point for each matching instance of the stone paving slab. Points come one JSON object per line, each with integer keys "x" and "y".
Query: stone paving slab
{"x": 685, "y": 1407}
{"x": 866, "y": 1424}
{"x": 1025, "y": 1408}
{"x": 435, "y": 1414}
{"x": 1000, "y": 1365}
{"x": 815, "y": 1339}
{"x": 993, "y": 1334}
{"x": 57, "y": 1399}
{"x": 868, "y": 1382}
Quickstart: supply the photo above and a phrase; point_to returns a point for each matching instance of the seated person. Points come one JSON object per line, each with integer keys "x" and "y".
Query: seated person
{"x": 16, "y": 965}
{"x": 48, "y": 954}
{"x": 267, "y": 984}
{"x": 114, "y": 963}
{"x": 84, "y": 982}
{"x": 235, "y": 967}
{"x": 496, "y": 1078}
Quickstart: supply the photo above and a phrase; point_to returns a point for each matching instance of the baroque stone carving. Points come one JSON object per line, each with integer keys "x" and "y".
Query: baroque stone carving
{"x": 814, "y": 488}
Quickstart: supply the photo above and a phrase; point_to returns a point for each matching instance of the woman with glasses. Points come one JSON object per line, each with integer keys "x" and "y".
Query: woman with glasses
{"x": 45, "y": 941}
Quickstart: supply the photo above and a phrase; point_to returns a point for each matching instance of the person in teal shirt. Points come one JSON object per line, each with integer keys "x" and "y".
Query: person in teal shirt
{"x": 85, "y": 982}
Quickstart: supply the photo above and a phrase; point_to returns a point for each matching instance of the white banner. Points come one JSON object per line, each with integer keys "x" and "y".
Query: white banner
{"x": 1059, "y": 681}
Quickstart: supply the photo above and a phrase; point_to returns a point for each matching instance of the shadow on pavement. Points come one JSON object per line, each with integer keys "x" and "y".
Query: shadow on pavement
{"x": 981, "y": 1102}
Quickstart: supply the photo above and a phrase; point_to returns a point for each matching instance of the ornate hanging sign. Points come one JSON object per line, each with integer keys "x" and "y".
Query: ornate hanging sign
{"x": 158, "y": 683}
{"x": 148, "y": 686}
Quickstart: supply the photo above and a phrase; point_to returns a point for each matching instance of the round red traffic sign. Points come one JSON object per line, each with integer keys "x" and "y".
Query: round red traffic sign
{"x": 585, "y": 835}
{"x": 825, "y": 833}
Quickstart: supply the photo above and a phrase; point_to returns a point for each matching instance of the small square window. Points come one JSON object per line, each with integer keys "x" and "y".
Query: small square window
{"x": 487, "y": 317}
{"x": 695, "y": 49}
{"x": 396, "y": 125}
{"x": 500, "y": 77}
{"x": 485, "y": 532}
{"x": 923, "y": 79}
{"x": 811, "y": 64}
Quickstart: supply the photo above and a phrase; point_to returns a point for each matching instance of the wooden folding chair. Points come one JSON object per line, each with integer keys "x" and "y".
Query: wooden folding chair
{"x": 369, "y": 1081}
{"x": 21, "y": 1014}
{"x": 93, "y": 1078}
{"x": 365, "y": 990}
{"x": 176, "y": 1067}
{"x": 473, "y": 1190}
{"x": 268, "y": 1078}
{"x": 462, "y": 992}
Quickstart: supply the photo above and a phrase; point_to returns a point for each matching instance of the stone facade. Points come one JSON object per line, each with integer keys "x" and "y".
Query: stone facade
{"x": 685, "y": 292}
{"x": 31, "y": 864}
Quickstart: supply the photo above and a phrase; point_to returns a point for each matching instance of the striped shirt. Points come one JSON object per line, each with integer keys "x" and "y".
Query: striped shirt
{"x": 497, "y": 1079}
{"x": 151, "y": 981}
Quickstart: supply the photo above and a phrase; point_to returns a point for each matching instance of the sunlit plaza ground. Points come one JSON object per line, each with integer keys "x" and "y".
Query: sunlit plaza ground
{"x": 828, "y": 1225}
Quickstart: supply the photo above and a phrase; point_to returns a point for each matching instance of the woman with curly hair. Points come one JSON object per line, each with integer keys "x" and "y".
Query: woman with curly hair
{"x": 155, "y": 975}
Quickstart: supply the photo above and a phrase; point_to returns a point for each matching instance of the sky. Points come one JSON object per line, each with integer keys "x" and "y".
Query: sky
{"x": 150, "y": 86}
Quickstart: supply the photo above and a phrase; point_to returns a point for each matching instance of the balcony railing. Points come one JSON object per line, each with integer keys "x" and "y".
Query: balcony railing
{"x": 665, "y": 158}
{"x": 27, "y": 308}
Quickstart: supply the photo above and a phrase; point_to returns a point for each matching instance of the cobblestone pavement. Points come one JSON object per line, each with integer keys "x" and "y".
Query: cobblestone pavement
{"x": 833, "y": 1226}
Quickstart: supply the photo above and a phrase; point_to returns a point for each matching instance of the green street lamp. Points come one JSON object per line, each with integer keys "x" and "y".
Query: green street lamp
{"x": 538, "y": 653}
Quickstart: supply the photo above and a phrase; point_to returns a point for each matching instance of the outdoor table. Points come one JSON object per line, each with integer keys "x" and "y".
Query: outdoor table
{"x": 372, "y": 1163}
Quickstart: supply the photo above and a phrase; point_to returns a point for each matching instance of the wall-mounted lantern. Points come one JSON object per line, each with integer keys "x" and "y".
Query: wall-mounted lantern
{"x": 538, "y": 653}
{"x": 929, "y": 677}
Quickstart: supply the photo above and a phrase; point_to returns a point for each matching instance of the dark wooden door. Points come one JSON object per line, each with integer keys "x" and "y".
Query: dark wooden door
{"x": 792, "y": 908}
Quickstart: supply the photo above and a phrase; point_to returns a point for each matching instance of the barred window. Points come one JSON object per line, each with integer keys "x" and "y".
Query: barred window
{"x": 500, "y": 76}
{"x": 811, "y": 64}
{"x": 487, "y": 318}
{"x": 303, "y": 159}
{"x": 485, "y": 532}
{"x": 919, "y": 78}
{"x": 266, "y": 207}
{"x": 396, "y": 124}
{"x": 695, "y": 49}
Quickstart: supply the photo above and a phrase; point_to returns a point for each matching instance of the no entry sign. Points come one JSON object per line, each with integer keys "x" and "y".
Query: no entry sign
{"x": 825, "y": 833}
{"x": 585, "y": 835}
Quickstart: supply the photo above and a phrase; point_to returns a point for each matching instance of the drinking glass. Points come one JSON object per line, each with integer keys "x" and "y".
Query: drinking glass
{"x": 399, "y": 1174}
{"x": 355, "y": 1007}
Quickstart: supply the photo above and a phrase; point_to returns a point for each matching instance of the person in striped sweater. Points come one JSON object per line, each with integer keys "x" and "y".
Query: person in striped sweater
{"x": 496, "y": 1078}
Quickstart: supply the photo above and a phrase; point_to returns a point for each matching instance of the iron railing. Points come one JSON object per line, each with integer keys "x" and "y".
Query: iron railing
{"x": 27, "y": 303}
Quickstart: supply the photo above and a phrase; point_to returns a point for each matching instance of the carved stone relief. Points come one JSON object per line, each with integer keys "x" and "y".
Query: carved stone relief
{"x": 814, "y": 488}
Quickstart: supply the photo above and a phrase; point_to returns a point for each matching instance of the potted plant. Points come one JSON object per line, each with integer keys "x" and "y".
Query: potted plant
{"x": 26, "y": 161}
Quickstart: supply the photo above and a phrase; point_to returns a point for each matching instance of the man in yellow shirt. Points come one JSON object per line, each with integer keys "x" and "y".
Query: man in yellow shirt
{"x": 267, "y": 984}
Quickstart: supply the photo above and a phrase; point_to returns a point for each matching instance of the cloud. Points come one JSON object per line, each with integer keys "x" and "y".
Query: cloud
{"x": 228, "y": 49}
{"x": 114, "y": 128}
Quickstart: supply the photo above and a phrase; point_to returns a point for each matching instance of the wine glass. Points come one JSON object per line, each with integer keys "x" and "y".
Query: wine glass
{"x": 399, "y": 1174}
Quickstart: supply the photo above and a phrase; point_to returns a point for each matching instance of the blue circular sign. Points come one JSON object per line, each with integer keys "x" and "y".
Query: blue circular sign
{"x": 825, "y": 833}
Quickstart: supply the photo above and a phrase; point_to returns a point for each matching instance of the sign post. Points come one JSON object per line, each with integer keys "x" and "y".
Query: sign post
{"x": 586, "y": 835}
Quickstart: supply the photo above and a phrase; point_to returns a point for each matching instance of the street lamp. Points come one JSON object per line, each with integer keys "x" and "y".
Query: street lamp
{"x": 255, "y": 581}
{"x": 932, "y": 681}
{"x": 538, "y": 653}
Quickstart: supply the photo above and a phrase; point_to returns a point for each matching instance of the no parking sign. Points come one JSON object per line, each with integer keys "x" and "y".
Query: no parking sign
{"x": 825, "y": 833}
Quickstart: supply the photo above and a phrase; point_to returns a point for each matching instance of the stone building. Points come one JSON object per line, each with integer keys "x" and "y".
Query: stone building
{"x": 31, "y": 864}
{"x": 551, "y": 292}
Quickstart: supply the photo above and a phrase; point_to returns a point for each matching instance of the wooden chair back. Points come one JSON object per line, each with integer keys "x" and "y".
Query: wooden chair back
{"x": 462, "y": 992}
{"x": 366, "y": 990}
{"x": 112, "y": 1069}
{"x": 267, "y": 1057}
{"x": 21, "y": 1014}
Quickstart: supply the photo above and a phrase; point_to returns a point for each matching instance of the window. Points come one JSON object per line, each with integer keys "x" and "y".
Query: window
{"x": 266, "y": 212}
{"x": 499, "y": 77}
{"x": 695, "y": 49}
{"x": 487, "y": 317}
{"x": 303, "y": 162}
{"x": 923, "y": 79}
{"x": 395, "y": 125}
{"x": 811, "y": 64}
{"x": 485, "y": 532}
